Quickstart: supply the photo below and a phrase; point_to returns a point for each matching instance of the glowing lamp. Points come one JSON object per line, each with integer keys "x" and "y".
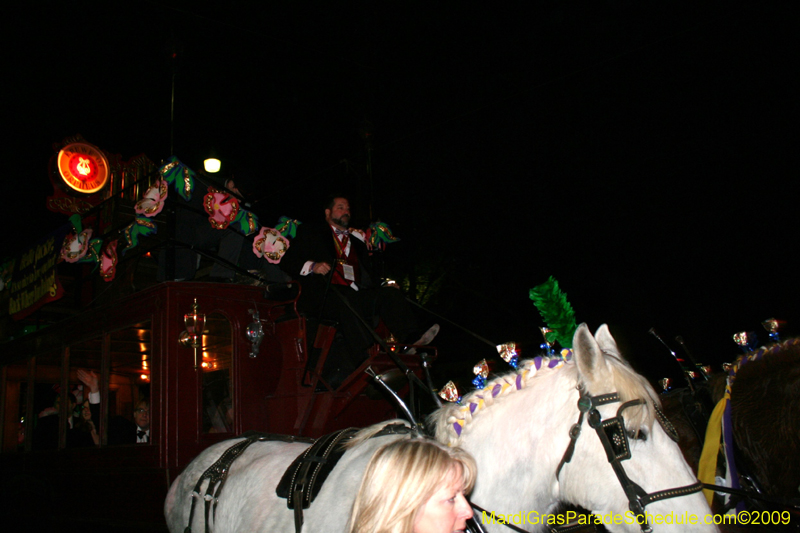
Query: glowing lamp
{"x": 212, "y": 165}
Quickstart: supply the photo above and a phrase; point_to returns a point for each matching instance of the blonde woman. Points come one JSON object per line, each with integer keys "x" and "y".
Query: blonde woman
{"x": 414, "y": 486}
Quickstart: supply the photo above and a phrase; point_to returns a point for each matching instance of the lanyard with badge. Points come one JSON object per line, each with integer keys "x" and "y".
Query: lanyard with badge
{"x": 348, "y": 271}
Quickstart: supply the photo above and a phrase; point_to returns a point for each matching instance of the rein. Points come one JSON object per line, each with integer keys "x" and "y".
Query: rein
{"x": 612, "y": 435}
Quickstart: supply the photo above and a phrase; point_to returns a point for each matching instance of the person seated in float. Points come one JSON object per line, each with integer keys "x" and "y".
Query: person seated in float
{"x": 333, "y": 264}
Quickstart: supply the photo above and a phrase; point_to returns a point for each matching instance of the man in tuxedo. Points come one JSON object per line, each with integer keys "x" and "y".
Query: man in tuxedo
{"x": 123, "y": 431}
{"x": 333, "y": 265}
{"x": 141, "y": 416}
{"x": 120, "y": 429}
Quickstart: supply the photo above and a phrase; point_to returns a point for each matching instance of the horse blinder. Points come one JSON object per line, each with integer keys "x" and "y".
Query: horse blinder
{"x": 613, "y": 434}
{"x": 614, "y": 438}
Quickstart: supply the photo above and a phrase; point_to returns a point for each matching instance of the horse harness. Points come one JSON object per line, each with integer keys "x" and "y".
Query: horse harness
{"x": 614, "y": 438}
{"x": 300, "y": 483}
{"x": 303, "y": 479}
{"x": 217, "y": 473}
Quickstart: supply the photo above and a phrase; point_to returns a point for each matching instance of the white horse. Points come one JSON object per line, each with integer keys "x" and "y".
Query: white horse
{"x": 518, "y": 430}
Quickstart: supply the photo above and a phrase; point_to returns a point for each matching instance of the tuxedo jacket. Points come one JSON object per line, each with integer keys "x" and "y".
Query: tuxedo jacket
{"x": 314, "y": 242}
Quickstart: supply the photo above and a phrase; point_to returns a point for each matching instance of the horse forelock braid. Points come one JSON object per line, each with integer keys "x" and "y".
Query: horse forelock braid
{"x": 451, "y": 419}
{"x": 788, "y": 345}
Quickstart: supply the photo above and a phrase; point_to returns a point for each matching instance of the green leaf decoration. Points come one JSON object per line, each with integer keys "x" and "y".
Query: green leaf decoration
{"x": 245, "y": 222}
{"x": 287, "y": 227}
{"x": 381, "y": 232}
{"x": 179, "y": 176}
{"x": 556, "y": 312}
{"x": 141, "y": 226}
{"x": 93, "y": 253}
{"x": 75, "y": 220}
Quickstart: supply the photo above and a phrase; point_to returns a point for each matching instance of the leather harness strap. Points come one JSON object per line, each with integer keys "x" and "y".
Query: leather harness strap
{"x": 217, "y": 473}
{"x": 303, "y": 479}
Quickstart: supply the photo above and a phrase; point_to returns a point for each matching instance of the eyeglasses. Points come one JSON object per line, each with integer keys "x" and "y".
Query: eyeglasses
{"x": 141, "y": 411}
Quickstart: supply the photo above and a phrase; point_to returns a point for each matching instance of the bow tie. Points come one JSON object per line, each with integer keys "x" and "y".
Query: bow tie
{"x": 141, "y": 434}
{"x": 341, "y": 232}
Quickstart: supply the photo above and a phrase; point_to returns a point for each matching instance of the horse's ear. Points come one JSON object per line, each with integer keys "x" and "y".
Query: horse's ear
{"x": 589, "y": 356}
{"x": 605, "y": 340}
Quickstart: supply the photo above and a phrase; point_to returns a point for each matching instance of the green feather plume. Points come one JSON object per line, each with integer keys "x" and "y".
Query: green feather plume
{"x": 556, "y": 312}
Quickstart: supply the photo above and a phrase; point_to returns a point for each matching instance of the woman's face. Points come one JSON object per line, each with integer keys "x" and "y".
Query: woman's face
{"x": 447, "y": 510}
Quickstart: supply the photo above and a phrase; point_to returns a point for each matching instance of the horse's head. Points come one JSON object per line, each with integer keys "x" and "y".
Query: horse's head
{"x": 540, "y": 435}
{"x": 619, "y": 461}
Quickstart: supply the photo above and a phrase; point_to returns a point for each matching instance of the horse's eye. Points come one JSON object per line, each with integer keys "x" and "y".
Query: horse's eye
{"x": 638, "y": 435}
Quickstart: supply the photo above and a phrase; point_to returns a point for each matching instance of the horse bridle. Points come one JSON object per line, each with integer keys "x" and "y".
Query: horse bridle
{"x": 611, "y": 432}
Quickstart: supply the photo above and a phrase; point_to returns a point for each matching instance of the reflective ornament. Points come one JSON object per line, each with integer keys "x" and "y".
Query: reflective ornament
{"x": 746, "y": 340}
{"x": 508, "y": 352}
{"x": 773, "y": 325}
{"x": 666, "y": 384}
{"x": 449, "y": 393}
{"x": 547, "y": 345}
{"x": 481, "y": 371}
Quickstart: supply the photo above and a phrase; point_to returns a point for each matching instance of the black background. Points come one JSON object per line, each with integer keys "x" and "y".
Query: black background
{"x": 642, "y": 153}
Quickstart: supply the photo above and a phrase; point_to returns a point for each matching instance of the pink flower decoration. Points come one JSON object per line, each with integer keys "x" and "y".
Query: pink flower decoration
{"x": 153, "y": 201}
{"x": 270, "y": 244}
{"x": 222, "y": 207}
{"x": 75, "y": 247}
{"x": 108, "y": 261}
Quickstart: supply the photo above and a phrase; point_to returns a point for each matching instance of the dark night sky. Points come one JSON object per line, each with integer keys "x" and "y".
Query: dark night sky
{"x": 642, "y": 153}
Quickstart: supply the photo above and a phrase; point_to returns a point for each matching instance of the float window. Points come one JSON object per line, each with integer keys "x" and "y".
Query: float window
{"x": 85, "y": 359}
{"x": 130, "y": 412}
{"x": 217, "y": 376}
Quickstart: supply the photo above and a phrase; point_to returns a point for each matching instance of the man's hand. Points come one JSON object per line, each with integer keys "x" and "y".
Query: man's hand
{"x": 321, "y": 268}
{"x": 89, "y": 379}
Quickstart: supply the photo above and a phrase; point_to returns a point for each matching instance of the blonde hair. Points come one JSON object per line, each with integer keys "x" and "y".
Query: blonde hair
{"x": 399, "y": 480}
